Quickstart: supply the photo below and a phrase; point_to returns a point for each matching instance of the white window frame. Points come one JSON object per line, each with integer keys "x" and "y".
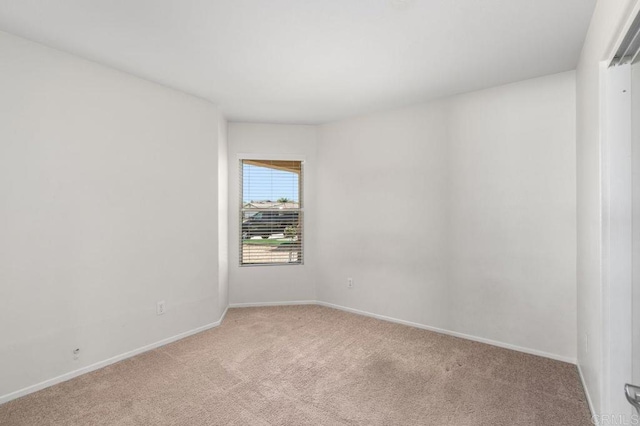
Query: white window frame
{"x": 274, "y": 157}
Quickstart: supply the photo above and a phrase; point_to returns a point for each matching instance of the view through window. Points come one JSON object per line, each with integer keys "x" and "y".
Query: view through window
{"x": 271, "y": 215}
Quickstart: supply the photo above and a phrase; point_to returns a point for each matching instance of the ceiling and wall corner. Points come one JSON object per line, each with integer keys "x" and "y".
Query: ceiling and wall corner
{"x": 109, "y": 195}
{"x": 457, "y": 214}
{"x": 313, "y": 62}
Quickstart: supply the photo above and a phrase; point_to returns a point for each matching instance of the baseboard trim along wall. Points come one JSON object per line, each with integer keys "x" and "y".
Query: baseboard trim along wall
{"x": 100, "y": 364}
{"x": 453, "y": 333}
{"x": 413, "y": 324}
{"x": 594, "y": 418}
{"x": 258, "y": 304}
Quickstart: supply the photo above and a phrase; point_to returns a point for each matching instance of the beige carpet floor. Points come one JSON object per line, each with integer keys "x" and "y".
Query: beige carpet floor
{"x": 310, "y": 365}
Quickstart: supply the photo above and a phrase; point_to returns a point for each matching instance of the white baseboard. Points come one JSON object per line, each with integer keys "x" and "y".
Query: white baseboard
{"x": 411, "y": 324}
{"x": 100, "y": 364}
{"x": 104, "y": 363}
{"x": 589, "y": 401}
{"x": 453, "y": 333}
{"x": 258, "y": 304}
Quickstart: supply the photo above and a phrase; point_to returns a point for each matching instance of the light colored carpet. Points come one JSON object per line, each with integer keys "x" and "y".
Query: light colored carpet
{"x": 310, "y": 365}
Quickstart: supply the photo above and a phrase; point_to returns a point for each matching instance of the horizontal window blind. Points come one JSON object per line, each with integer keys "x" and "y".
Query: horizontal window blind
{"x": 629, "y": 49}
{"x": 271, "y": 212}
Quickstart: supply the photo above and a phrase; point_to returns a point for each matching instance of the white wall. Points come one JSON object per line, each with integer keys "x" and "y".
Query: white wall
{"x": 458, "y": 214}
{"x": 223, "y": 216}
{"x": 383, "y": 213}
{"x": 608, "y": 18}
{"x": 280, "y": 283}
{"x": 108, "y": 188}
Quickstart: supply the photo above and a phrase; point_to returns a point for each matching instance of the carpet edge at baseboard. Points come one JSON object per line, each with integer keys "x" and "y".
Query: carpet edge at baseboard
{"x": 530, "y": 351}
{"x": 100, "y": 364}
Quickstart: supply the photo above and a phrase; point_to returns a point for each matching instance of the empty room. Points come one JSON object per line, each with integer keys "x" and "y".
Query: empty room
{"x": 319, "y": 212}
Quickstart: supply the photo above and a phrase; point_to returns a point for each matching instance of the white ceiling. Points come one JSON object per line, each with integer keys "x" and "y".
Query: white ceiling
{"x": 312, "y": 61}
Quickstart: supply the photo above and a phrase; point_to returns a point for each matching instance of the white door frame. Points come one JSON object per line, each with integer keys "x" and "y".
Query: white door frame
{"x": 616, "y": 142}
{"x": 617, "y": 254}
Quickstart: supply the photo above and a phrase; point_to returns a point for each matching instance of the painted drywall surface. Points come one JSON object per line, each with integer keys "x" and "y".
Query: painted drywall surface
{"x": 382, "y": 214}
{"x": 606, "y": 22}
{"x": 108, "y": 188}
{"x": 223, "y": 216}
{"x": 459, "y": 214}
{"x": 512, "y": 211}
{"x": 263, "y": 284}
{"x": 323, "y": 59}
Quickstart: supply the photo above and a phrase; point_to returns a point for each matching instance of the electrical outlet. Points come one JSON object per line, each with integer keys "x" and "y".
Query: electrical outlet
{"x": 76, "y": 354}
{"x": 349, "y": 282}
{"x": 160, "y": 308}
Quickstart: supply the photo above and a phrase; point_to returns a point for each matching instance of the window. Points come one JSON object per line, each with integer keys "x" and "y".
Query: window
{"x": 271, "y": 212}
